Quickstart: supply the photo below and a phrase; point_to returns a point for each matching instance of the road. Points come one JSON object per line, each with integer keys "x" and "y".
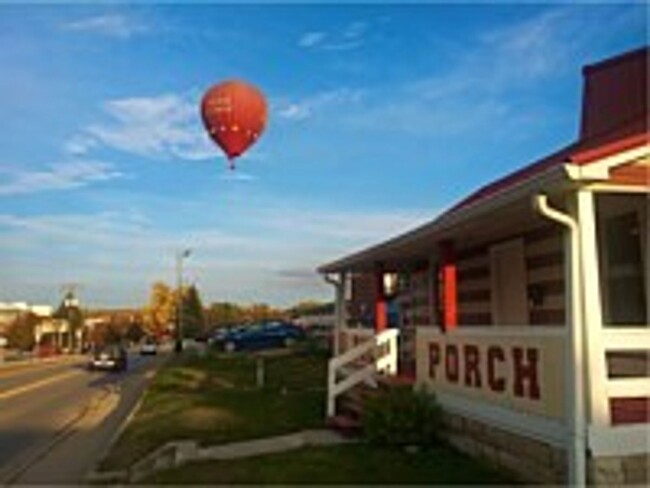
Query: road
{"x": 57, "y": 419}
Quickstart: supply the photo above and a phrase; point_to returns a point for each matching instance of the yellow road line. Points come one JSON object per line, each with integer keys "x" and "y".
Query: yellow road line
{"x": 37, "y": 384}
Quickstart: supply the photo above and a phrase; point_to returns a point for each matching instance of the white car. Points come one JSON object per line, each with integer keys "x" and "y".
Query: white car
{"x": 149, "y": 347}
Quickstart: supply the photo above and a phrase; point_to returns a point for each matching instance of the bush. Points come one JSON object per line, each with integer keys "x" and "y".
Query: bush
{"x": 401, "y": 416}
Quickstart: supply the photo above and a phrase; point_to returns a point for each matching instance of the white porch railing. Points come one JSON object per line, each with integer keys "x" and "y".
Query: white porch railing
{"x": 342, "y": 375}
{"x": 604, "y": 437}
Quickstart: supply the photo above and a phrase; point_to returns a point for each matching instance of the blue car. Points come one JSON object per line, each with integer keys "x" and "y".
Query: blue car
{"x": 260, "y": 336}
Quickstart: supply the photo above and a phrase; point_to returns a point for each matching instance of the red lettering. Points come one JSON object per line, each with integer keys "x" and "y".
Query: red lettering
{"x": 494, "y": 354}
{"x": 526, "y": 372}
{"x": 472, "y": 371}
{"x": 434, "y": 358}
{"x": 451, "y": 363}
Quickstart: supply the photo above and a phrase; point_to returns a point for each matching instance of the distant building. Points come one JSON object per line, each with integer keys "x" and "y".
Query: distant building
{"x": 9, "y": 312}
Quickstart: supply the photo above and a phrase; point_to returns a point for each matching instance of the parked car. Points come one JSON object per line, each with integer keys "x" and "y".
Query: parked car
{"x": 111, "y": 357}
{"x": 149, "y": 347}
{"x": 259, "y": 336}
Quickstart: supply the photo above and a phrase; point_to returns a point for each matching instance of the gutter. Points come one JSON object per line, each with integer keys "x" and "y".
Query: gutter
{"x": 575, "y": 384}
{"x": 339, "y": 309}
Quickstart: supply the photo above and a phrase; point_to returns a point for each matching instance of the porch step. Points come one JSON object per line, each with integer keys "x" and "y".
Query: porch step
{"x": 344, "y": 424}
{"x": 351, "y": 406}
{"x": 385, "y": 381}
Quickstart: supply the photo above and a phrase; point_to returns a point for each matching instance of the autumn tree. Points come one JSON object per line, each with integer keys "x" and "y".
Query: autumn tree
{"x": 20, "y": 334}
{"x": 311, "y": 307}
{"x": 224, "y": 314}
{"x": 260, "y": 312}
{"x": 161, "y": 310}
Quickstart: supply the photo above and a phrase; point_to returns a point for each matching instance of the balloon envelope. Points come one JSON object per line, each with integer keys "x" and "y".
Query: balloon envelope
{"x": 234, "y": 114}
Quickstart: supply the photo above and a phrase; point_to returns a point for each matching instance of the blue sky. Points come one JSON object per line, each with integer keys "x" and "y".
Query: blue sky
{"x": 380, "y": 117}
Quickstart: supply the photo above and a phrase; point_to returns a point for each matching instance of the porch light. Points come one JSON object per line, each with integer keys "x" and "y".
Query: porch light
{"x": 390, "y": 283}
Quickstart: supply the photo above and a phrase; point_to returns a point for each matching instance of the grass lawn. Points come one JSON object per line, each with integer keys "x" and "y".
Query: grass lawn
{"x": 356, "y": 464}
{"x": 214, "y": 399}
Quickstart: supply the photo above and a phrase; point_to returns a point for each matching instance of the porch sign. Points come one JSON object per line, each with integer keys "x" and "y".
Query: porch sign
{"x": 518, "y": 368}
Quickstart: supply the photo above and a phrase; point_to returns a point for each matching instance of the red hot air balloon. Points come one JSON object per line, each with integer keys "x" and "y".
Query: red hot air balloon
{"x": 234, "y": 114}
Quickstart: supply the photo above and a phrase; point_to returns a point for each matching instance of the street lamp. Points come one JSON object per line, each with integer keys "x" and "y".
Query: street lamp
{"x": 180, "y": 255}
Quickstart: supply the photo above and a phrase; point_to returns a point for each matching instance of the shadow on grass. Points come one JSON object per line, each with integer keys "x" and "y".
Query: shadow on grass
{"x": 358, "y": 464}
{"x": 214, "y": 399}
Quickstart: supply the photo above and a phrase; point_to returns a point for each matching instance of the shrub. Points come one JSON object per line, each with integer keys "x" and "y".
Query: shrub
{"x": 401, "y": 416}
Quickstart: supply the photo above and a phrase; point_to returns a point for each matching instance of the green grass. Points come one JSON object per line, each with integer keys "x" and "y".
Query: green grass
{"x": 214, "y": 399}
{"x": 346, "y": 464}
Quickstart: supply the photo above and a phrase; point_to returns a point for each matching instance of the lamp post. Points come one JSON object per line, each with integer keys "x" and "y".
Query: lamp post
{"x": 180, "y": 255}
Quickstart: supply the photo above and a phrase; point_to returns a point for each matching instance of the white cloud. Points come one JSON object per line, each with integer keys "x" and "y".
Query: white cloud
{"x": 349, "y": 37}
{"x": 116, "y": 26}
{"x": 245, "y": 265}
{"x": 236, "y": 175}
{"x": 166, "y": 126}
{"x": 486, "y": 85}
{"x": 79, "y": 145}
{"x": 297, "y": 110}
{"x": 311, "y": 39}
{"x": 60, "y": 176}
{"x": 511, "y": 56}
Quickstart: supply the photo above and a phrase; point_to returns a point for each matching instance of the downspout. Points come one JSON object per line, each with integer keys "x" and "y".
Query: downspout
{"x": 577, "y": 454}
{"x": 339, "y": 309}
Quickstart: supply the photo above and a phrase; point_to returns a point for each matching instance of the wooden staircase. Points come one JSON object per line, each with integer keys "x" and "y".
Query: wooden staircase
{"x": 358, "y": 374}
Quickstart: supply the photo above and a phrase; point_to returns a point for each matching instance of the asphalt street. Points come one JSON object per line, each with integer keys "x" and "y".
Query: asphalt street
{"x": 57, "y": 419}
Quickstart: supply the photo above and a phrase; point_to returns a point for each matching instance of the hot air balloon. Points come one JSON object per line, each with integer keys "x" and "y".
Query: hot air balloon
{"x": 234, "y": 114}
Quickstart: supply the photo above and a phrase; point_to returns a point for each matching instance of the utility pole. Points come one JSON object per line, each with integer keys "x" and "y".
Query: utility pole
{"x": 180, "y": 255}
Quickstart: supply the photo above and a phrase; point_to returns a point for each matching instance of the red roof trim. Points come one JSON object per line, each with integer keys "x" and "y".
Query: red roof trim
{"x": 590, "y": 155}
{"x": 609, "y": 62}
{"x": 517, "y": 177}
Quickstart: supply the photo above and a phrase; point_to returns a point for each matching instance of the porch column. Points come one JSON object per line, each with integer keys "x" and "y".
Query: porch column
{"x": 339, "y": 311}
{"x": 595, "y": 364}
{"x": 449, "y": 286}
{"x": 381, "y": 309}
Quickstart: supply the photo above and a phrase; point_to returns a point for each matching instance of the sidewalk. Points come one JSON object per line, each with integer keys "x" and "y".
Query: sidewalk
{"x": 178, "y": 453}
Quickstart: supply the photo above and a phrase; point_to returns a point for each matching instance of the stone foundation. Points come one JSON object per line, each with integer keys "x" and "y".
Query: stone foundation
{"x": 620, "y": 470}
{"x": 538, "y": 462}
{"x": 531, "y": 460}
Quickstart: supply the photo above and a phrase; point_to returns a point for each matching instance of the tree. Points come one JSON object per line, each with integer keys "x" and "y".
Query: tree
{"x": 193, "y": 316}
{"x": 135, "y": 332}
{"x": 224, "y": 314}
{"x": 161, "y": 310}
{"x": 310, "y": 307}
{"x": 20, "y": 334}
{"x": 259, "y": 312}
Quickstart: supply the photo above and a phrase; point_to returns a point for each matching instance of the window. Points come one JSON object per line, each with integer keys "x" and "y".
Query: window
{"x": 624, "y": 269}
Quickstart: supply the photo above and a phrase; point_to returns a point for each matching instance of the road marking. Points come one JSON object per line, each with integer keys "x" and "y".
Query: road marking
{"x": 37, "y": 384}
{"x": 9, "y": 370}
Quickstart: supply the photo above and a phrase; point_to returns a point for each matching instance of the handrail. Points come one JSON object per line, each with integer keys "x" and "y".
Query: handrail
{"x": 360, "y": 349}
{"x": 386, "y": 362}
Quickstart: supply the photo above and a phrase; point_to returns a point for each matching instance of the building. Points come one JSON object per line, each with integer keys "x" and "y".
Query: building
{"x": 525, "y": 307}
{"x": 9, "y": 312}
